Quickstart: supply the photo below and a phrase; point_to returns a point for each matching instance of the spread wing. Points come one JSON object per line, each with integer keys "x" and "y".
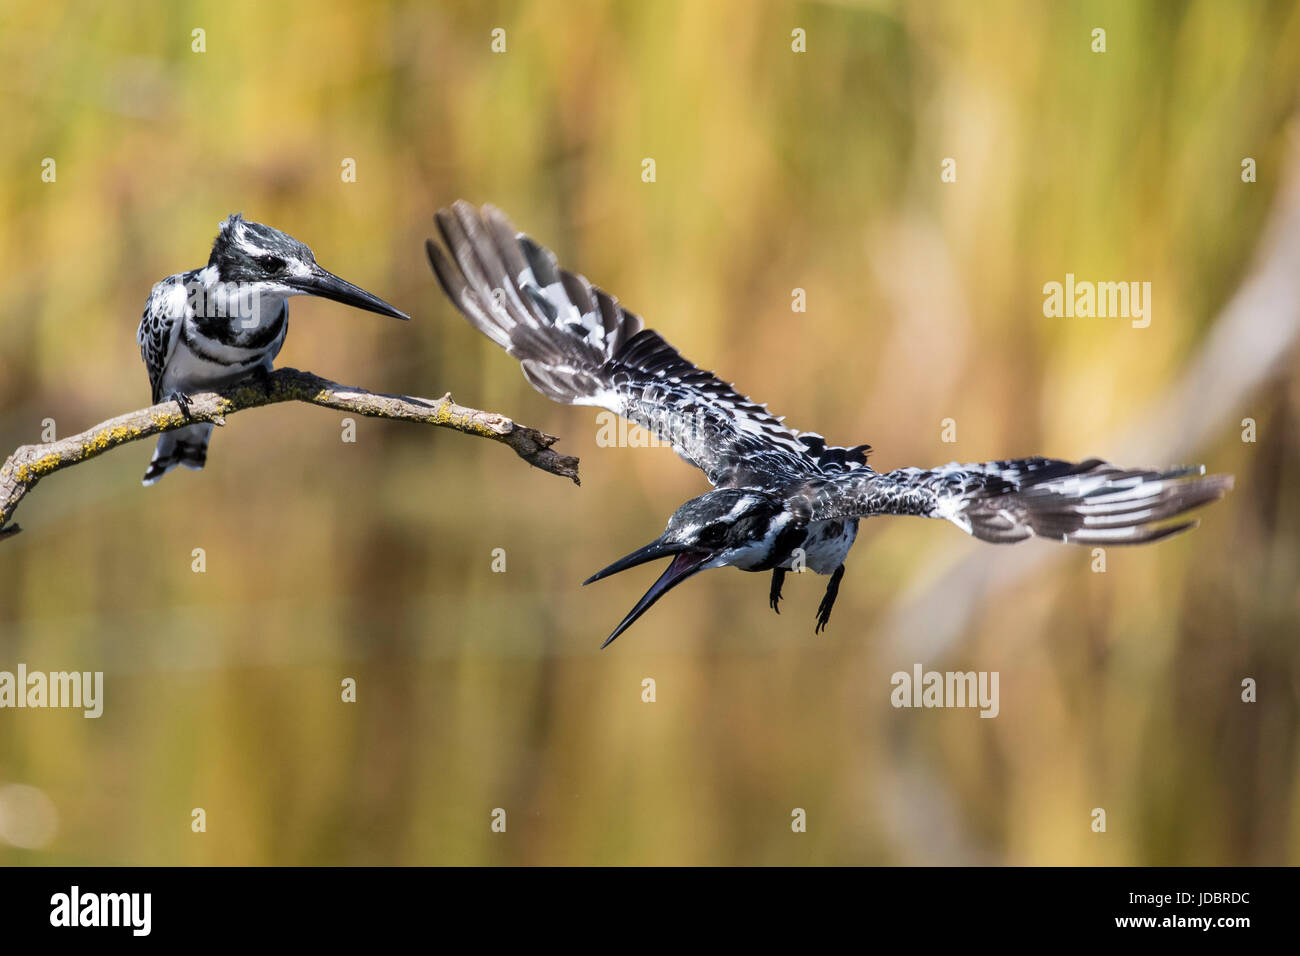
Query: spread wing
{"x": 578, "y": 346}
{"x": 1090, "y": 502}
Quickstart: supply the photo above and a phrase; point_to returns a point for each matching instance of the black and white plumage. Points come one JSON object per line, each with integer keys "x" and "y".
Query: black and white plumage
{"x": 783, "y": 500}
{"x": 211, "y": 327}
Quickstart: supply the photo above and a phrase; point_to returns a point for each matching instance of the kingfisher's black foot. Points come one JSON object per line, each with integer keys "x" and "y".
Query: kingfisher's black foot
{"x": 828, "y": 600}
{"x": 774, "y": 596}
{"x": 261, "y": 375}
{"x": 183, "y": 400}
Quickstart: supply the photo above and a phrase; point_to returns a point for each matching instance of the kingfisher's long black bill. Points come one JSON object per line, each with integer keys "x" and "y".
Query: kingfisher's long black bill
{"x": 329, "y": 286}
{"x": 683, "y": 565}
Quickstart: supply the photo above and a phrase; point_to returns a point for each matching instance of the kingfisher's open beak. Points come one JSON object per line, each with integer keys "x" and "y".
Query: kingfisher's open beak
{"x": 329, "y": 286}
{"x": 685, "y": 562}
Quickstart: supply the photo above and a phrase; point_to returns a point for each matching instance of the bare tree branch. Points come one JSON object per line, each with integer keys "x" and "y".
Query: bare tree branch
{"x": 30, "y": 463}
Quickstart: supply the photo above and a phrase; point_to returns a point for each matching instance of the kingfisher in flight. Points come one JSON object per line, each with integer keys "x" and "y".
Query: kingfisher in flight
{"x": 783, "y": 500}
{"x": 209, "y": 328}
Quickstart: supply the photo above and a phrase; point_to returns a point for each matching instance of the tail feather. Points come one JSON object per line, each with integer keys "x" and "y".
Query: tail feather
{"x": 185, "y": 446}
{"x": 1089, "y": 503}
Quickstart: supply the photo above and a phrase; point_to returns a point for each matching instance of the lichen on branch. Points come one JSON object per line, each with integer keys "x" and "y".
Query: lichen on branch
{"x": 30, "y": 463}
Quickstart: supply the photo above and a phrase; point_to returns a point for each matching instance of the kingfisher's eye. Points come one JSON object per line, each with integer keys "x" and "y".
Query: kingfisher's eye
{"x": 271, "y": 263}
{"x": 712, "y": 535}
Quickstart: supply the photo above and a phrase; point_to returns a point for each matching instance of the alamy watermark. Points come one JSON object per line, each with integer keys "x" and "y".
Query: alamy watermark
{"x": 132, "y": 911}
{"x": 1102, "y": 300}
{"x": 225, "y": 300}
{"x": 922, "y": 688}
{"x": 82, "y": 690}
{"x": 665, "y": 428}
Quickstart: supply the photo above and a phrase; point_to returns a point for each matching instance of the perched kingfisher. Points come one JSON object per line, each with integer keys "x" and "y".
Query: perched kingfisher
{"x": 784, "y": 500}
{"x": 210, "y": 327}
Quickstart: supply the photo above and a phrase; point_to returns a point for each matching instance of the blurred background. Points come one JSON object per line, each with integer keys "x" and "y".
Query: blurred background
{"x": 774, "y": 171}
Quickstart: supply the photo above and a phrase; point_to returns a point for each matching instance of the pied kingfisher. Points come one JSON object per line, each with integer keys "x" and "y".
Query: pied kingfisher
{"x": 784, "y": 500}
{"x": 210, "y": 327}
